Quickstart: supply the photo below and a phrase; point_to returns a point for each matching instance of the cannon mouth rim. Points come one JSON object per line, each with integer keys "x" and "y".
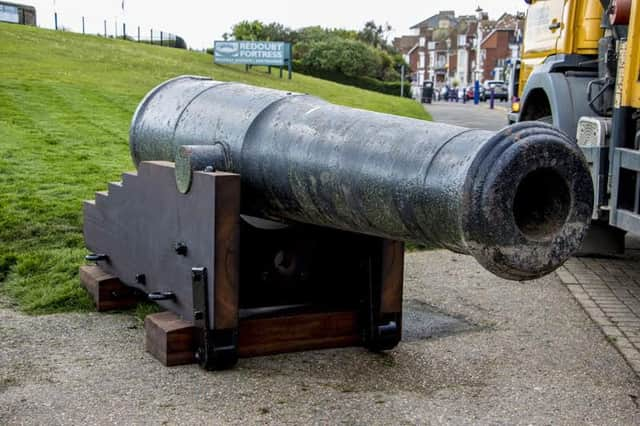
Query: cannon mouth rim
{"x": 518, "y": 245}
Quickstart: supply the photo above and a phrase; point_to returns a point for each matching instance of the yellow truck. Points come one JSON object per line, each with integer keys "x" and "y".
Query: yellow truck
{"x": 580, "y": 70}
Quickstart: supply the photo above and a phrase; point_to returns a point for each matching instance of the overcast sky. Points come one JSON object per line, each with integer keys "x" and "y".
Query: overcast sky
{"x": 200, "y": 22}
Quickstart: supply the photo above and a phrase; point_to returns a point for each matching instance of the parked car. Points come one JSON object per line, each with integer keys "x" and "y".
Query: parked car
{"x": 471, "y": 90}
{"x": 500, "y": 90}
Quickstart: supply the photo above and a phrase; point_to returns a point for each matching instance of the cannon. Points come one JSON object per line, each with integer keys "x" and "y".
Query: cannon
{"x": 233, "y": 177}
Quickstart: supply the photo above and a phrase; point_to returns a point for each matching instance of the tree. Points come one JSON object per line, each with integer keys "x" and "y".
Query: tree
{"x": 256, "y": 30}
{"x": 330, "y": 51}
{"x": 375, "y": 35}
{"x": 247, "y": 30}
{"x": 276, "y": 32}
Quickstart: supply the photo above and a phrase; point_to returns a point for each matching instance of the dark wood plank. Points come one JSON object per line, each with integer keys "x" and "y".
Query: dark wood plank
{"x": 140, "y": 222}
{"x": 107, "y": 291}
{"x": 392, "y": 276}
{"x": 169, "y": 338}
{"x": 302, "y": 332}
{"x": 227, "y": 256}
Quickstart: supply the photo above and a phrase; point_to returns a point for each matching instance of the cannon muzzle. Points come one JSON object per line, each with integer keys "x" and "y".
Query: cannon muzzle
{"x": 518, "y": 200}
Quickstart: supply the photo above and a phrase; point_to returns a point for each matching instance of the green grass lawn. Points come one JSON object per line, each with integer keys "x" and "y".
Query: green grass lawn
{"x": 66, "y": 102}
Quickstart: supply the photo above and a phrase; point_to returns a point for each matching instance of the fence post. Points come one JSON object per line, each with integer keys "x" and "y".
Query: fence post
{"x": 55, "y": 20}
{"x": 151, "y": 40}
{"x": 124, "y": 31}
{"x": 402, "y": 81}
{"x": 138, "y": 33}
{"x": 83, "y": 25}
{"x": 105, "y": 28}
{"x": 160, "y": 38}
{"x": 290, "y": 61}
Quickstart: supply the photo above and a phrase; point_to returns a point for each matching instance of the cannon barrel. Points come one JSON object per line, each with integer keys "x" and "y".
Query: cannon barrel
{"x": 518, "y": 200}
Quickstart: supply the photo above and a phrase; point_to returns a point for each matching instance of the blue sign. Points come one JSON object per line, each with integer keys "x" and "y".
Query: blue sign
{"x": 272, "y": 53}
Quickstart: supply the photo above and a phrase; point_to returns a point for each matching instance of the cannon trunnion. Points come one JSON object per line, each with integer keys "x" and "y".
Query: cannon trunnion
{"x": 270, "y": 221}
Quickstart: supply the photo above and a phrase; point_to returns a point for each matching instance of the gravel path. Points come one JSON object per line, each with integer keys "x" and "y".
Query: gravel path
{"x": 531, "y": 356}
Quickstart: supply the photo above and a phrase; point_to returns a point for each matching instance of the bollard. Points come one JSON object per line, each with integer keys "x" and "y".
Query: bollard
{"x": 491, "y": 97}
{"x": 476, "y": 92}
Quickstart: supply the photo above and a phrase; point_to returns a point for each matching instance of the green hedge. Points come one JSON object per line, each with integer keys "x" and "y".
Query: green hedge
{"x": 367, "y": 83}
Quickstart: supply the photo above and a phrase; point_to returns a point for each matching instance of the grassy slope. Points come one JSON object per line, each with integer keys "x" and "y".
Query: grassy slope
{"x": 66, "y": 101}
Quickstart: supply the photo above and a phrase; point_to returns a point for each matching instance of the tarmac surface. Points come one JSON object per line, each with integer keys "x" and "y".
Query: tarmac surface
{"x": 519, "y": 353}
{"x": 470, "y": 115}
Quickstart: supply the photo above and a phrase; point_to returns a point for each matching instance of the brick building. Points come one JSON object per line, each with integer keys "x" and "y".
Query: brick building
{"x": 499, "y": 45}
{"x": 442, "y": 48}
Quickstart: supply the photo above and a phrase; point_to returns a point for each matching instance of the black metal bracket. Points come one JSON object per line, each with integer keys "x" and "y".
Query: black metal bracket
{"x": 96, "y": 257}
{"x": 215, "y": 349}
{"x": 382, "y": 331}
{"x": 161, "y": 295}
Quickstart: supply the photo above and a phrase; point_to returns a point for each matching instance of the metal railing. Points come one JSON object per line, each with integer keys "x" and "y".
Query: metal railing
{"x": 112, "y": 28}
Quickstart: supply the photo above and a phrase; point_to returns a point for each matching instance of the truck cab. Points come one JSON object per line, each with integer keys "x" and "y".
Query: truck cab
{"x": 558, "y": 60}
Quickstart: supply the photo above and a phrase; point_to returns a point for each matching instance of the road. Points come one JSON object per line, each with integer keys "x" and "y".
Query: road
{"x": 469, "y": 115}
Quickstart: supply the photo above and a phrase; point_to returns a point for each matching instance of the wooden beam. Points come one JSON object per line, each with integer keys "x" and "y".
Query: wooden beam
{"x": 171, "y": 339}
{"x": 107, "y": 291}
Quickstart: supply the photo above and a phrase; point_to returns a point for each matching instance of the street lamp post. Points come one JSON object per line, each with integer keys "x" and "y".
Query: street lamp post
{"x": 478, "y": 71}
{"x": 448, "y": 58}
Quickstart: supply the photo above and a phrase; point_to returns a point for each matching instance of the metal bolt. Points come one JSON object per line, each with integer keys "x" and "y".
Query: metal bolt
{"x": 181, "y": 249}
{"x": 96, "y": 257}
{"x": 161, "y": 295}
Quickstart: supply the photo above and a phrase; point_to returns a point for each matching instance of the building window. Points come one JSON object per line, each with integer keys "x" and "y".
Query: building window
{"x": 421, "y": 60}
{"x": 422, "y": 41}
{"x": 9, "y": 14}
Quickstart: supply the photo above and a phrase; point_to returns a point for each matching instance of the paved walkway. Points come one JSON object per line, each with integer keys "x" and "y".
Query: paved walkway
{"x": 469, "y": 115}
{"x": 609, "y": 291}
